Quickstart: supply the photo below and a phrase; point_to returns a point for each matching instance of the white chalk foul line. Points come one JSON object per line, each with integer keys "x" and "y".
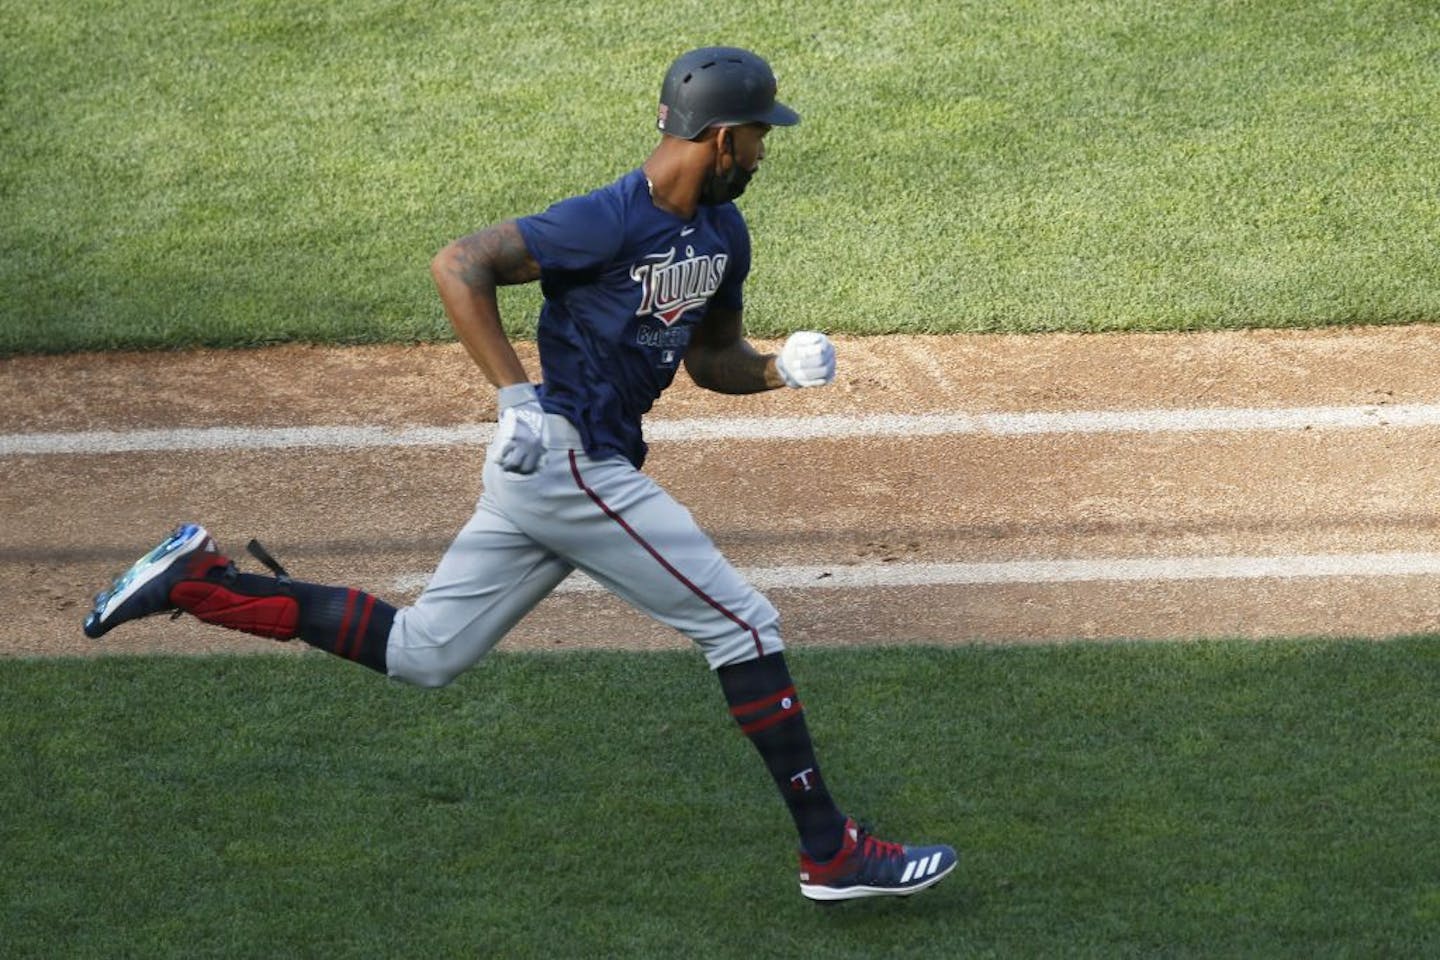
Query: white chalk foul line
{"x": 240, "y": 438}
{"x": 1021, "y": 572}
{"x": 751, "y": 428}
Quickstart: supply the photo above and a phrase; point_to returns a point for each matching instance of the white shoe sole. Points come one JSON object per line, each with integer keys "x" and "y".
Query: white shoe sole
{"x": 824, "y": 893}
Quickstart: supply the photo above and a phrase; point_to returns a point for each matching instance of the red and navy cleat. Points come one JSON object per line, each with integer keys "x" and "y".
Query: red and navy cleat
{"x": 867, "y": 867}
{"x": 145, "y": 588}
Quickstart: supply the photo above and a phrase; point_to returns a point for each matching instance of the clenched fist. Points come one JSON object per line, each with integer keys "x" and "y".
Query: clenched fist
{"x": 807, "y": 360}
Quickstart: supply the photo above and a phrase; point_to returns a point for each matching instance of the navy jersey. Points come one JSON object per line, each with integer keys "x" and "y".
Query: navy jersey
{"x": 625, "y": 283}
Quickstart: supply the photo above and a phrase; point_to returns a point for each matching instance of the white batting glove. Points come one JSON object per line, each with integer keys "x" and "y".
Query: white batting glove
{"x": 807, "y": 360}
{"x": 520, "y": 439}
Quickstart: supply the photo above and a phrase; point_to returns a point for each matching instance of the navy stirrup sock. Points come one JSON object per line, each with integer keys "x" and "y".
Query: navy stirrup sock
{"x": 348, "y": 623}
{"x": 763, "y": 701}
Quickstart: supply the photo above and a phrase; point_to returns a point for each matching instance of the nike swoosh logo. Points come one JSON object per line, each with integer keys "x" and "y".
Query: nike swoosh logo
{"x": 687, "y": 231}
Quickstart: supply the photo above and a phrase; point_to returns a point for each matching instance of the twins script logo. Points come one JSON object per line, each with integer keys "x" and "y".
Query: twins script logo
{"x": 669, "y": 287}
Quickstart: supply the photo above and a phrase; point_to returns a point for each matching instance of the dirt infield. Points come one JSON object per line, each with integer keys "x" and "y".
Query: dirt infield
{"x": 378, "y": 517}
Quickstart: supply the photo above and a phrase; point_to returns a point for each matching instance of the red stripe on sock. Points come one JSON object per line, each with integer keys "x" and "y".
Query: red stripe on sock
{"x": 750, "y": 729}
{"x": 359, "y": 643}
{"x": 762, "y": 704}
{"x": 350, "y": 597}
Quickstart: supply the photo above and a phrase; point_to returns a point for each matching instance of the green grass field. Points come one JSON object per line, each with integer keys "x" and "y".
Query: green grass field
{"x": 1203, "y": 800}
{"x": 244, "y": 173}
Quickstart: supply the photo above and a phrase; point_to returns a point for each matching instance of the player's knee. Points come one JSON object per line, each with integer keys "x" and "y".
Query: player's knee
{"x": 430, "y": 666}
{"x": 420, "y": 655}
{"x": 431, "y": 671}
{"x": 428, "y": 679}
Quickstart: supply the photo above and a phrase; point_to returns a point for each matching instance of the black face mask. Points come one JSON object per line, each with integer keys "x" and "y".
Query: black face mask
{"x": 724, "y": 187}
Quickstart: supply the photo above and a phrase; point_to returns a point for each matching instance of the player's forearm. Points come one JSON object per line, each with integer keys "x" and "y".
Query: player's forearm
{"x": 738, "y": 368}
{"x": 476, "y": 318}
{"x": 485, "y": 341}
{"x": 466, "y": 274}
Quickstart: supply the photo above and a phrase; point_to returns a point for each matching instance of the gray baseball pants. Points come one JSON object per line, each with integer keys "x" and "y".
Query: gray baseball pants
{"x": 604, "y": 517}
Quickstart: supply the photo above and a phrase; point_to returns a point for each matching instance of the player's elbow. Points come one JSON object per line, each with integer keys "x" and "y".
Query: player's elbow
{"x": 705, "y": 371}
{"x": 700, "y": 370}
{"x": 445, "y": 263}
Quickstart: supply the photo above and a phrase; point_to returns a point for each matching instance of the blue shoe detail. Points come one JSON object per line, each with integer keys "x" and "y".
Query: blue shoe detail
{"x": 144, "y": 589}
{"x": 867, "y": 867}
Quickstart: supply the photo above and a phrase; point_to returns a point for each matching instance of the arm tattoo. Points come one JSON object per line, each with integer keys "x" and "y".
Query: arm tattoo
{"x": 496, "y": 256}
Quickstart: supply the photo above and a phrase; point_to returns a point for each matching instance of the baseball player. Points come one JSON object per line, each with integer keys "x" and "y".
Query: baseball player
{"x": 638, "y": 276}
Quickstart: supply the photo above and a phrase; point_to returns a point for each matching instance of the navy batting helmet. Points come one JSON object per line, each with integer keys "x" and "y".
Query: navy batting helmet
{"x": 719, "y": 86}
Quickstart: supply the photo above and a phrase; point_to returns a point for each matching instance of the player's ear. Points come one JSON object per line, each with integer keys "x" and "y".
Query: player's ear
{"x": 724, "y": 146}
